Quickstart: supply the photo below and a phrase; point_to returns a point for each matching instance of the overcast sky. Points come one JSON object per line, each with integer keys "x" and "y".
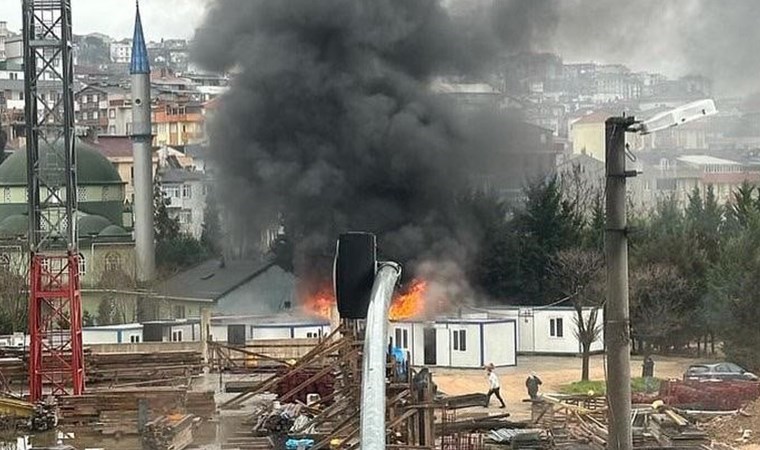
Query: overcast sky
{"x": 161, "y": 18}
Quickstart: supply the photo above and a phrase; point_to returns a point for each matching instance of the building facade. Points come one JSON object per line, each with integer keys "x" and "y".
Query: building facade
{"x": 105, "y": 242}
{"x": 457, "y": 342}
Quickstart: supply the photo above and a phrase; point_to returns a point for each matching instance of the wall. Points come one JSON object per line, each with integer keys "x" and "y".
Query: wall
{"x": 146, "y": 347}
{"x": 470, "y": 357}
{"x": 588, "y": 138}
{"x": 499, "y": 343}
{"x": 100, "y": 337}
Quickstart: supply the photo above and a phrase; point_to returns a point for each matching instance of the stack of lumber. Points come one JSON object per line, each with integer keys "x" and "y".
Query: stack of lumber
{"x": 173, "y": 432}
{"x": 129, "y": 367}
{"x": 671, "y": 429}
{"x": 12, "y": 371}
{"x": 248, "y": 443}
{"x": 117, "y": 411}
{"x": 201, "y": 403}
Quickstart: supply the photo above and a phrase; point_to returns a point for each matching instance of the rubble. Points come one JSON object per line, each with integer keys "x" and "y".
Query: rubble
{"x": 731, "y": 429}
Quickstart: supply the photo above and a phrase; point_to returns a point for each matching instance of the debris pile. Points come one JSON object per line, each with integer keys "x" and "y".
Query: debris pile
{"x": 733, "y": 428}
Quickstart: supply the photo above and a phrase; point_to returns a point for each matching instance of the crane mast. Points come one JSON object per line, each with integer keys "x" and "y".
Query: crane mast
{"x": 56, "y": 358}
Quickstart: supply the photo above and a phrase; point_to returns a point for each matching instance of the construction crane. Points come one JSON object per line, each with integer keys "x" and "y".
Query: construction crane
{"x": 56, "y": 358}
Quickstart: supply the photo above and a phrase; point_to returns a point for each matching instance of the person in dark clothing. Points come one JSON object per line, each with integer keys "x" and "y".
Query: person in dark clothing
{"x": 532, "y": 383}
{"x": 494, "y": 386}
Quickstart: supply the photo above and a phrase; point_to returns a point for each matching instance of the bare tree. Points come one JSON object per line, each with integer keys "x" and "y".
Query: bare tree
{"x": 117, "y": 305}
{"x": 14, "y": 292}
{"x": 578, "y": 275}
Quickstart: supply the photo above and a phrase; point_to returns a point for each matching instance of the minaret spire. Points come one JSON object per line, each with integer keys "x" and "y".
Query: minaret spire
{"x": 142, "y": 138}
{"x": 140, "y": 62}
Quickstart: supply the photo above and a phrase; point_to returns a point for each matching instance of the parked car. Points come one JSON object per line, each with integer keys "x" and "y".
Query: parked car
{"x": 718, "y": 371}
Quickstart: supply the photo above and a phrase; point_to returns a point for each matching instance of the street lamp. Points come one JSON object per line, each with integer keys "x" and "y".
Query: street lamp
{"x": 617, "y": 329}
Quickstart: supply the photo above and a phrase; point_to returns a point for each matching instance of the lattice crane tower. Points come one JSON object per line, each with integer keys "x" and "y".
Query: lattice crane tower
{"x": 56, "y": 359}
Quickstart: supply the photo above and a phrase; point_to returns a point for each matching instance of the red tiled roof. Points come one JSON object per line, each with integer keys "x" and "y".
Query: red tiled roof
{"x": 596, "y": 117}
{"x": 114, "y": 146}
{"x": 730, "y": 177}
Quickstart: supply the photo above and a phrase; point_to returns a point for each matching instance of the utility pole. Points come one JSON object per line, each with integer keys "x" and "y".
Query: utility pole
{"x": 617, "y": 329}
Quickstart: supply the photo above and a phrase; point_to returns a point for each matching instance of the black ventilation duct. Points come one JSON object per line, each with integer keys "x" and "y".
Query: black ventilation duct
{"x": 354, "y": 273}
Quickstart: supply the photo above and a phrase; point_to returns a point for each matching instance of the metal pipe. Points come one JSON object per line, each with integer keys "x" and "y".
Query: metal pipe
{"x": 372, "y": 423}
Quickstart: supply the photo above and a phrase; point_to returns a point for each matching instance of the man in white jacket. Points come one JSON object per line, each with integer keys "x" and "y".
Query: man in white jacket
{"x": 494, "y": 386}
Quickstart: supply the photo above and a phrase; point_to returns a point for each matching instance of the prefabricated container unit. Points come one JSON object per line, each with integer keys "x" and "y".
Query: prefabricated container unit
{"x": 466, "y": 343}
{"x": 287, "y": 330}
{"x": 113, "y": 334}
{"x": 549, "y": 330}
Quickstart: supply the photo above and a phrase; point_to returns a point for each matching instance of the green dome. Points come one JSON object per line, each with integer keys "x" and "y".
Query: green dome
{"x": 92, "y": 224}
{"x": 89, "y": 226}
{"x": 14, "y": 225}
{"x": 113, "y": 230}
{"x": 92, "y": 167}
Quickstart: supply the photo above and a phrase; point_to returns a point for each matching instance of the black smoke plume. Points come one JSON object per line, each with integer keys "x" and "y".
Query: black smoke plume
{"x": 330, "y": 124}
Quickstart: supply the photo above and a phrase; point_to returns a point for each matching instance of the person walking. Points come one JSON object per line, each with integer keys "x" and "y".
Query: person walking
{"x": 532, "y": 383}
{"x": 494, "y": 386}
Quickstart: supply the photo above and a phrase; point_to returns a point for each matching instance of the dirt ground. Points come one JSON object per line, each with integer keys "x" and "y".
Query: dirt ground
{"x": 554, "y": 371}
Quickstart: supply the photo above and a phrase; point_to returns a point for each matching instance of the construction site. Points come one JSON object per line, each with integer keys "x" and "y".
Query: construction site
{"x": 306, "y": 393}
{"x": 380, "y": 375}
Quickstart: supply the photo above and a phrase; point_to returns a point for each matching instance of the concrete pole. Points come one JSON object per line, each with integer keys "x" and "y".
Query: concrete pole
{"x": 205, "y": 332}
{"x": 143, "y": 180}
{"x": 617, "y": 330}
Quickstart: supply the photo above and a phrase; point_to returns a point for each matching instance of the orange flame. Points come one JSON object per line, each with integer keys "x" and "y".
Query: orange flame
{"x": 410, "y": 303}
{"x": 405, "y": 305}
{"x": 320, "y": 303}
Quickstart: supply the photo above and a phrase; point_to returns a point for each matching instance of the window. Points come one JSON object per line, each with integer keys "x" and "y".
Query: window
{"x": 112, "y": 113}
{"x": 82, "y": 265}
{"x": 402, "y": 338}
{"x": 134, "y": 339}
{"x": 179, "y": 311}
{"x": 556, "y": 328}
{"x": 311, "y": 335}
{"x": 187, "y": 191}
{"x": 172, "y": 191}
{"x": 177, "y": 336}
{"x": 185, "y": 216}
{"x": 460, "y": 340}
{"x": 94, "y": 114}
{"x": 113, "y": 262}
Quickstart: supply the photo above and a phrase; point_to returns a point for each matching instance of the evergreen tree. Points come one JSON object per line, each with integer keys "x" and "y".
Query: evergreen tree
{"x": 165, "y": 227}
{"x": 211, "y": 236}
{"x": 547, "y": 225}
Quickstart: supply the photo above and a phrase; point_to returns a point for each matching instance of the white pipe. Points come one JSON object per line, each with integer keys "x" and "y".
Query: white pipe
{"x": 373, "y": 365}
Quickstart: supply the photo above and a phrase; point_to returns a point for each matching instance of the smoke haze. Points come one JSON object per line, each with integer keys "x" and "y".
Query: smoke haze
{"x": 718, "y": 39}
{"x": 330, "y": 122}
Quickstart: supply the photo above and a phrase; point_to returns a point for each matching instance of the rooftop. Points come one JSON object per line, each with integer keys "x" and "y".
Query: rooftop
{"x": 705, "y": 160}
{"x": 211, "y": 280}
